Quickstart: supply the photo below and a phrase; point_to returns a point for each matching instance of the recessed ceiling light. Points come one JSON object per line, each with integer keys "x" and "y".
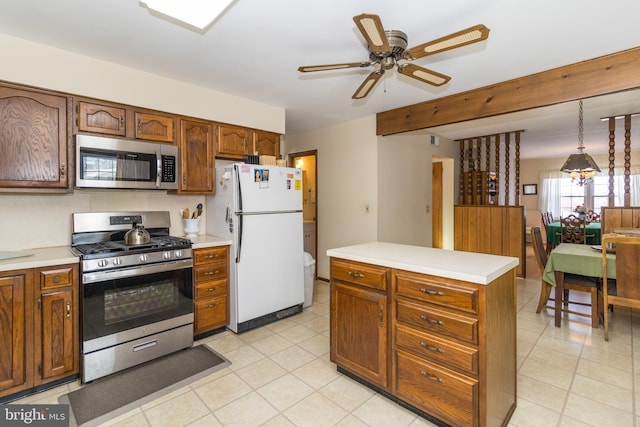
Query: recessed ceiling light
{"x": 197, "y": 13}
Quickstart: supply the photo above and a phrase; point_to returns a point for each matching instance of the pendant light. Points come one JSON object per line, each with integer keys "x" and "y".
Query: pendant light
{"x": 580, "y": 166}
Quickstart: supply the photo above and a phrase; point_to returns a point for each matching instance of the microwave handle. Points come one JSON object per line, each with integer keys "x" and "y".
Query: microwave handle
{"x": 158, "y": 169}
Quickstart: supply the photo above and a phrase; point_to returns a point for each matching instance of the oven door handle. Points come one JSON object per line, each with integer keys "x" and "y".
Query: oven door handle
{"x": 101, "y": 276}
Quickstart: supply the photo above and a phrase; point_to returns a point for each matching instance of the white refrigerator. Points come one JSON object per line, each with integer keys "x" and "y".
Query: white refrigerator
{"x": 259, "y": 208}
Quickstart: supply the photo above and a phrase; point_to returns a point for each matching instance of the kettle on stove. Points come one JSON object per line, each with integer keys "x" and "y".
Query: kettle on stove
{"x": 137, "y": 235}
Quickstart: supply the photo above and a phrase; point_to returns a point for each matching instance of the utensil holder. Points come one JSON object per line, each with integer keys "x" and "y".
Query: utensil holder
{"x": 191, "y": 227}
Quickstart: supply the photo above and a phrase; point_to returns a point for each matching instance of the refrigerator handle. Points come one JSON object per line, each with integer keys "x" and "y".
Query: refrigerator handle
{"x": 240, "y": 221}
{"x": 239, "y": 209}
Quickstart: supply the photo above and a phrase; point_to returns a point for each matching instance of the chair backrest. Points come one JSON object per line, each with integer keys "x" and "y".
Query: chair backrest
{"x": 592, "y": 216}
{"x": 572, "y": 230}
{"x": 538, "y": 248}
{"x": 627, "y": 264}
{"x": 546, "y": 219}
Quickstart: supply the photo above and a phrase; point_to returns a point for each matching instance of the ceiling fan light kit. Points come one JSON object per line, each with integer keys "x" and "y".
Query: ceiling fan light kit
{"x": 388, "y": 47}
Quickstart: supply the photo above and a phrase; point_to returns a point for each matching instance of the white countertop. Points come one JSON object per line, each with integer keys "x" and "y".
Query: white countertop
{"x": 207, "y": 241}
{"x": 40, "y": 257}
{"x": 467, "y": 266}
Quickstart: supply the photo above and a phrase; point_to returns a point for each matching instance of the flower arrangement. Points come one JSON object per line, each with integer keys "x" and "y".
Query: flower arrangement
{"x": 580, "y": 209}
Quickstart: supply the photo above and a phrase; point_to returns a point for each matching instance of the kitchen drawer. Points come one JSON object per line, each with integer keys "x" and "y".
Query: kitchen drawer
{"x": 438, "y": 350}
{"x": 430, "y": 319}
{"x": 367, "y": 275}
{"x": 213, "y": 288}
{"x": 443, "y": 393}
{"x": 210, "y": 314}
{"x": 56, "y": 278}
{"x": 213, "y": 271}
{"x": 209, "y": 255}
{"x": 437, "y": 291}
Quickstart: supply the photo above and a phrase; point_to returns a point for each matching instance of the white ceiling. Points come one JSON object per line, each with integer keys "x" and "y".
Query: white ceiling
{"x": 253, "y": 51}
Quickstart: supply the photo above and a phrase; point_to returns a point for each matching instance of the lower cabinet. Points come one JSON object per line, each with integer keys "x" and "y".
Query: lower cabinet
{"x": 210, "y": 288}
{"x": 445, "y": 347}
{"x": 40, "y": 340}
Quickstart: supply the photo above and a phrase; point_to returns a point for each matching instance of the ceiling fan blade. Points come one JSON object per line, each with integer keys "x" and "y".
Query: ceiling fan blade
{"x": 423, "y": 74}
{"x": 368, "y": 84}
{"x": 371, "y": 28}
{"x": 310, "y": 68}
{"x": 470, "y": 35}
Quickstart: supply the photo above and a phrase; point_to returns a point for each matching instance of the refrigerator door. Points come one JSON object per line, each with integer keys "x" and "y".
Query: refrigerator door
{"x": 268, "y": 188}
{"x": 270, "y": 274}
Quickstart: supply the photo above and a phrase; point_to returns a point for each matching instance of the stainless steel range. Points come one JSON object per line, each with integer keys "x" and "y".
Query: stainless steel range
{"x": 137, "y": 301}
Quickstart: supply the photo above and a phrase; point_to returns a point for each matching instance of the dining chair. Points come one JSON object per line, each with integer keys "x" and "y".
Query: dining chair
{"x": 547, "y": 218}
{"x": 624, "y": 290}
{"x": 572, "y": 230}
{"x": 572, "y": 282}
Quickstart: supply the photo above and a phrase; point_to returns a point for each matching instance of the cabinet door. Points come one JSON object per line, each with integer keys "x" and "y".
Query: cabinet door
{"x": 103, "y": 119}
{"x": 56, "y": 333}
{"x": 155, "y": 127}
{"x": 197, "y": 160}
{"x": 13, "y": 372}
{"x": 266, "y": 143}
{"x": 233, "y": 141}
{"x": 33, "y": 148}
{"x": 359, "y": 332}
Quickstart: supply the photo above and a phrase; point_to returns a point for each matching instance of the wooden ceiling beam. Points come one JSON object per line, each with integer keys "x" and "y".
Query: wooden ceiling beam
{"x": 612, "y": 73}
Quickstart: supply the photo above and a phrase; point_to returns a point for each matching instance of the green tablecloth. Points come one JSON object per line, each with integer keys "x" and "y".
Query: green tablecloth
{"x": 593, "y": 228}
{"x": 577, "y": 259}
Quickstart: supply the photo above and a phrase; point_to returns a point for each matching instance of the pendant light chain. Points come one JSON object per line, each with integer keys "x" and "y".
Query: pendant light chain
{"x": 580, "y": 128}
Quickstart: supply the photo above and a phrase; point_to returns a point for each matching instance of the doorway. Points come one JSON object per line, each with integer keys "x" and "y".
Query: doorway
{"x": 307, "y": 161}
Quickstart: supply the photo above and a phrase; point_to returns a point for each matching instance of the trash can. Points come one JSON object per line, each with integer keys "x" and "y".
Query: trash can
{"x": 309, "y": 272}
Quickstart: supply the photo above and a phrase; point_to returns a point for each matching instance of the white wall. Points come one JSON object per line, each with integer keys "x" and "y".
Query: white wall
{"x": 27, "y": 220}
{"x": 347, "y": 164}
{"x": 404, "y": 187}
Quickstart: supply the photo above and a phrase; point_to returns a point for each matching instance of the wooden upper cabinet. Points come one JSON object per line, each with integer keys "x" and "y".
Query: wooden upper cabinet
{"x": 233, "y": 141}
{"x": 197, "y": 159}
{"x": 155, "y": 127}
{"x": 266, "y": 143}
{"x": 105, "y": 119}
{"x": 34, "y": 140}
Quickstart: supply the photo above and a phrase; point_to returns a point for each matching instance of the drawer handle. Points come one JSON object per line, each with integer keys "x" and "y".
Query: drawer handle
{"x": 431, "y": 292}
{"x": 211, "y": 256}
{"x": 431, "y": 377}
{"x": 356, "y": 275}
{"x": 211, "y": 273}
{"x": 213, "y": 305}
{"x": 432, "y": 321}
{"x": 212, "y": 289}
{"x": 428, "y": 347}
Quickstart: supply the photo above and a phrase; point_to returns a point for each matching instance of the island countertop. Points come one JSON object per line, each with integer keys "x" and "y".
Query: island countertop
{"x": 467, "y": 266}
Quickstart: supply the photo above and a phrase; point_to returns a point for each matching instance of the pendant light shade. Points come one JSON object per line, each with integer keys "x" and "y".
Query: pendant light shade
{"x": 580, "y": 165}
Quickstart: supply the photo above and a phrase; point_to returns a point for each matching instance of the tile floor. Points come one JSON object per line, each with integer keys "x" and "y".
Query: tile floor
{"x": 281, "y": 376}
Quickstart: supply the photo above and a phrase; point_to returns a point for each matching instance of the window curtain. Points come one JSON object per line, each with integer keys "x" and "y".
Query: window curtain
{"x": 551, "y": 192}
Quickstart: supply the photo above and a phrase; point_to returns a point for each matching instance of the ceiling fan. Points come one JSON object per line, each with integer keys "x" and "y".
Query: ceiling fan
{"x": 388, "y": 47}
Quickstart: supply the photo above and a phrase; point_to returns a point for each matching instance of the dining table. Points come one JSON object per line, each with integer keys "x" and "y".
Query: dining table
{"x": 582, "y": 259}
{"x": 592, "y": 229}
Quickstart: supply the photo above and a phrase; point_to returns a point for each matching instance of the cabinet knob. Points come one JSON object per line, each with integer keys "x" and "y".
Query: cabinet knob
{"x": 68, "y": 309}
{"x": 63, "y": 169}
{"x": 56, "y": 279}
{"x": 380, "y": 315}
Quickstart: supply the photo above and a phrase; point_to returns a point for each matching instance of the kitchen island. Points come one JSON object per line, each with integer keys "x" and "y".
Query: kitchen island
{"x": 434, "y": 330}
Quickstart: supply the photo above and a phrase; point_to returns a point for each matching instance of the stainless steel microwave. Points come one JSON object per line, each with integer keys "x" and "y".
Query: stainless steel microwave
{"x": 104, "y": 162}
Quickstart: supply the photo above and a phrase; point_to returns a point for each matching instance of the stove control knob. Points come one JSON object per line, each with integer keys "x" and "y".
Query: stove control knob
{"x": 166, "y": 255}
{"x": 103, "y": 263}
{"x": 178, "y": 253}
{"x": 117, "y": 261}
{"x": 143, "y": 258}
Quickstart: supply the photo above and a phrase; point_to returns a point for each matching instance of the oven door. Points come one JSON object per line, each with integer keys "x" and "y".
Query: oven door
{"x": 123, "y": 305}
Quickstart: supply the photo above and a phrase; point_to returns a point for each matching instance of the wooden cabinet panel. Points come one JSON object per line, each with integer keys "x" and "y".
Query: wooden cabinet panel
{"x": 155, "y": 127}
{"x": 197, "y": 158}
{"x": 34, "y": 141}
{"x": 431, "y": 319}
{"x": 56, "y": 277}
{"x": 233, "y": 141}
{"x": 359, "y": 331}
{"x": 210, "y": 288}
{"x": 361, "y": 274}
{"x": 436, "y": 291}
{"x": 57, "y": 350}
{"x": 13, "y": 334}
{"x": 266, "y": 143}
{"x": 105, "y": 119}
{"x": 444, "y": 393}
